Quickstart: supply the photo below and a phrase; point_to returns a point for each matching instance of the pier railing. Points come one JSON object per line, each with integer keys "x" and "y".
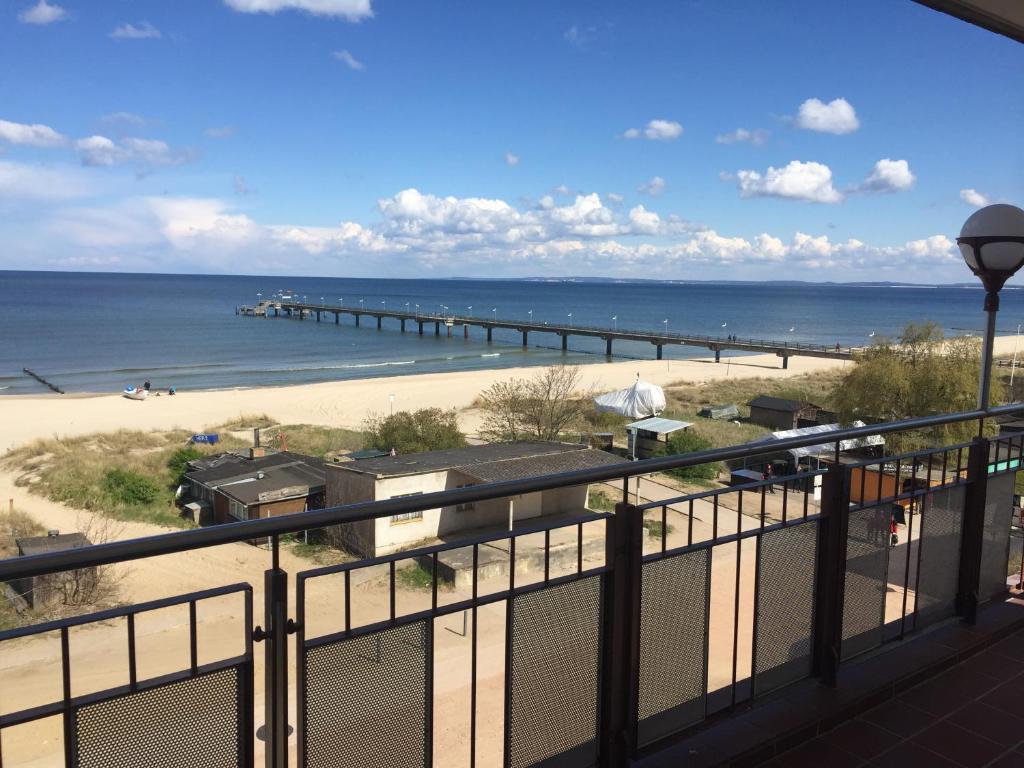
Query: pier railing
{"x": 578, "y": 639}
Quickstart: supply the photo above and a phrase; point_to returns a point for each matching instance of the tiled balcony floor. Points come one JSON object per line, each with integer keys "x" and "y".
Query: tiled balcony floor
{"x": 971, "y": 715}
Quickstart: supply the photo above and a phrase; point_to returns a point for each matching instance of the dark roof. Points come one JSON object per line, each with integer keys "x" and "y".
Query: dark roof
{"x": 779, "y": 404}
{"x": 38, "y": 545}
{"x": 456, "y": 458}
{"x": 279, "y": 482}
{"x": 538, "y": 466}
{"x": 227, "y": 466}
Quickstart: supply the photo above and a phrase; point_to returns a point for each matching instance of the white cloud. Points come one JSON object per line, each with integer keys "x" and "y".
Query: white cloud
{"x": 888, "y": 176}
{"x": 348, "y": 59}
{"x": 579, "y": 35}
{"x": 511, "y": 159}
{"x": 100, "y": 151}
{"x": 448, "y": 235}
{"x": 562, "y": 189}
{"x": 838, "y": 116}
{"x": 141, "y": 31}
{"x": 975, "y": 198}
{"x": 656, "y": 130}
{"x": 654, "y": 187}
{"x": 757, "y": 137}
{"x": 35, "y": 135}
{"x": 220, "y": 131}
{"x": 22, "y": 181}
{"x": 350, "y": 10}
{"x": 42, "y": 13}
{"x": 124, "y": 119}
{"x": 809, "y": 181}
{"x": 614, "y": 197}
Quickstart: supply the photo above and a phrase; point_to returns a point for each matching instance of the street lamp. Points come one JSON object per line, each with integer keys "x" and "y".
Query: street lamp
{"x": 570, "y": 319}
{"x": 615, "y": 322}
{"x": 665, "y": 323}
{"x": 341, "y": 302}
{"x": 469, "y": 310}
{"x": 407, "y": 307}
{"x": 384, "y": 303}
{"x": 360, "y": 303}
{"x": 417, "y": 310}
{"x": 494, "y": 314}
{"x": 992, "y": 243}
{"x": 322, "y": 302}
{"x": 530, "y": 313}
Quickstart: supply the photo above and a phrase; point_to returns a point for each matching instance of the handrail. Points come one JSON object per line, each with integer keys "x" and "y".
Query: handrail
{"x": 227, "y": 533}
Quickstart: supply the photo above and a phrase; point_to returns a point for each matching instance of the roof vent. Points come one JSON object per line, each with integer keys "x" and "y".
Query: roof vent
{"x": 53, "y": 533}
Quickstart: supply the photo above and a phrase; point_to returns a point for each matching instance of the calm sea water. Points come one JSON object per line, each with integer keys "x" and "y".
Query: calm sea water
{"x": 100, "y": 332}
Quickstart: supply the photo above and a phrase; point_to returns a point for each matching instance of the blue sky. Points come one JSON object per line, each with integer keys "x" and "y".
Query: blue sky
{"x": 703, "y": 140}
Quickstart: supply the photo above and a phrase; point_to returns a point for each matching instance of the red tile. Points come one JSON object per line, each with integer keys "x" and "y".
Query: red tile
{"x": 861, "y": 738}
{"x": 998, "y": 725}
{"x": 899, "y": 718}
{"x": 1009, "y": 696}
{"x": 955, "y": 743}
{"x": 910, "y": 755}
{"x": 936, "y": 698}
{"x": 1009, "y": 760}
{"x": 994, "y": 664}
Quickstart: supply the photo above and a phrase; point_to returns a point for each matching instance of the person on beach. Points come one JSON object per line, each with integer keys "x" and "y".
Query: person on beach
{"x": 894, "y": 537}
{"x": 146, "y": 385}
{"x": 769, "y": 475}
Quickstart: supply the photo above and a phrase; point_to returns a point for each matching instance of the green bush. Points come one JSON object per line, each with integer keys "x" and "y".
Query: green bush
{"x": 428, "y": 429}
{"x": 130, "y": 488}
{"x": 178, "y": 462}
{"x": 688, "y": 442}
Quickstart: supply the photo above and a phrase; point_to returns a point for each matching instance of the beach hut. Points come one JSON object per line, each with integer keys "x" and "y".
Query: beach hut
{"x": 649, "y": 436}
{"x": 642, "y": 399}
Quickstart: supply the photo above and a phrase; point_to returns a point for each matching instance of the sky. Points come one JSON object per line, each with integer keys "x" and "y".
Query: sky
{"x": 725, "y": 139}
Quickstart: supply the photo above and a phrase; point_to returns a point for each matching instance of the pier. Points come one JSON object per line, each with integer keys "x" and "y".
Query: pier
{"x": 423, "y": 322}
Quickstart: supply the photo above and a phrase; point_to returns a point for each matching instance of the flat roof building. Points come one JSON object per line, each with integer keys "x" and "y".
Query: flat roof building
{"x": 413, "y": 474}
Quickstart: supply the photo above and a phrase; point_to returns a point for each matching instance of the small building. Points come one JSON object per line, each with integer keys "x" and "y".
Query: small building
{"x": 38, "y": 590}
{"x": 231, "y": 486}
{"x": 647, "y": 437}
{"x": 391, "y": 477}
{"x": 780, "y": 413}
{"x": 720, "y": 412}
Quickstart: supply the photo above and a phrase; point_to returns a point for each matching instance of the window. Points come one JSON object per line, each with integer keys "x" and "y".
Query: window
{"x": 407, "y": 517}
{"x": 238, "y": 510}
{"x": 468, "y": 506}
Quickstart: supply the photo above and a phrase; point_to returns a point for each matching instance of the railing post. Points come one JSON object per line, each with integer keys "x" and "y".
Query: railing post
{"x": 831, "y": 569}
{"x": 973, "y": 530}
{"x": 275, "y": 601}
{"x": 621, "y": 636}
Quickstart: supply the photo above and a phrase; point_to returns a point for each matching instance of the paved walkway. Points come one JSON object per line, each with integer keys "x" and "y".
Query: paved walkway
{"x": 971, "y": 715}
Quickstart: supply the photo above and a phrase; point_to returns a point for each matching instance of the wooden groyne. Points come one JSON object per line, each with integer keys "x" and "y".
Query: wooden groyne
{"x": 43, "y": 381}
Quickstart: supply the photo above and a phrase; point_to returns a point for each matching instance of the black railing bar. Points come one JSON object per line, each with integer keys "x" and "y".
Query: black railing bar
{"x": 120, "y": 612}
{"x": 227, "y": 533}
{"x": 487, "y": 538}
{"x": 133, "y": 676}
{"x": 193, "y": 637}
{"x": 348, "y": 597}
{"x": 49, "y": 710}
{"x": 751, "y": 486}
{"x": 728, "y": 538}
{"x": 451, "y": 608}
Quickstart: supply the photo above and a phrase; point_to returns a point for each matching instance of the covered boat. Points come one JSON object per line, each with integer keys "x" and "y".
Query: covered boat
{"x": 642, "y": 399}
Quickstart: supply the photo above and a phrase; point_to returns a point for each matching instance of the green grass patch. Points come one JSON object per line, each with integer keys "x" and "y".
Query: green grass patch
{"x": 600, "y": 501}
{"x": 247, "y": 421}
{"x": 654, "y": 528}
{"x": 415, "y": 577}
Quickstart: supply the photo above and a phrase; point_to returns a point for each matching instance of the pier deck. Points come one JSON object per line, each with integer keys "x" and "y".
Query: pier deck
{"x": 420, "y": 320}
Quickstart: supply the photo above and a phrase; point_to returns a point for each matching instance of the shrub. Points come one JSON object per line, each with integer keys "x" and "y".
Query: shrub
{"x": 688, "y": 442}
{"x": 178, "y": 462}
{"x": 130, "y": 488}
{"x": 428, "y": 429}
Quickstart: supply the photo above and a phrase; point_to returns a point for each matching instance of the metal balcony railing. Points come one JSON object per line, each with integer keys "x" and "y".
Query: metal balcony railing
{"x": 582, "y": 639}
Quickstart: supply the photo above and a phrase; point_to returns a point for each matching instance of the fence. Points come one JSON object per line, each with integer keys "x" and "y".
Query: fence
{"x": 571, "y": 640}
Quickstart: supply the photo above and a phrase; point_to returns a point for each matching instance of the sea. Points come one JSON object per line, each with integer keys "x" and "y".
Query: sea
{"x": 92, "y": 332}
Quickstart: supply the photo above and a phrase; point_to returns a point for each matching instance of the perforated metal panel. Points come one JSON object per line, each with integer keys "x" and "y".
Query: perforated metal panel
{"x": 785, "y": 606}
{"x": 995, "y": 547}
{"x": 673, "y": 620}
{"x": 367, "y": 700}
{"x": 194, "y": 723}
{"x": 555, "y": 676}
{"x": 867, "y": 564}
{"x": 941, "y": 521}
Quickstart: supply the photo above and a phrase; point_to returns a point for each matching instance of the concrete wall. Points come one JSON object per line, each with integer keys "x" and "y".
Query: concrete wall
{"x": 346, "y": 487}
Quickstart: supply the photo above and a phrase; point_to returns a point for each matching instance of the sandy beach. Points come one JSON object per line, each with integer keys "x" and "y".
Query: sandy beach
{"x": 342, "y": 403}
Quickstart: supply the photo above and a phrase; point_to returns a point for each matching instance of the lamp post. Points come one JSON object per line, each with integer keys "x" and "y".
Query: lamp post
{"x": 341, "y": 302}
{"x": 469, "y": 310}
{"x": 322, "y": 302}
{"x": 259, "y": 297}
{"x": 615, "y": 322}
{"x": 570, "y": 319}
{"x": 360, "y": 303}
{"x": 384, "y": 303}
{"x": 530, "y": 313}
{"x": 992, "y": 243}
{"x": 494, "y": 314}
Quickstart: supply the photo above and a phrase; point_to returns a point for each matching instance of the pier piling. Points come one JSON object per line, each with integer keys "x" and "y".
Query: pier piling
{"x": 41, "y": 380}
{"x": 660, "y": 351}
{"x": 608, "y": 347}
{"x": 565, "y": 342}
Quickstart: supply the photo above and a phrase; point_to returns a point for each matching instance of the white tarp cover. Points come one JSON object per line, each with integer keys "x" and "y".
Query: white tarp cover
{"x": 642, "y": 399}
{"x": 825, "y": 448}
